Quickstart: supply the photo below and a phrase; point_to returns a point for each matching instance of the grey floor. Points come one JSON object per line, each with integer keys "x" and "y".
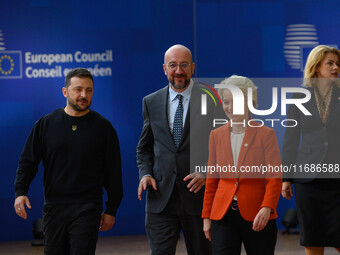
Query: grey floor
{"x": 138, "y": 245}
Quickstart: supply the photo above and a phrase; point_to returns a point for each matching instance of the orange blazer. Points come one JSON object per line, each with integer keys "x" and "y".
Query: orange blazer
{"x": 255, "y": 188}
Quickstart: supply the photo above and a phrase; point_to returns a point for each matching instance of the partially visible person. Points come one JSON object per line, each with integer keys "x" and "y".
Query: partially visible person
{"x": 317, "y": 198}
{"x": 240, "y": 207}
{"x": 80, "y": 153}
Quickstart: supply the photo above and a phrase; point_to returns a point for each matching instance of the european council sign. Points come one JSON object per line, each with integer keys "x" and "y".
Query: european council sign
{"x": 10, "y": 64}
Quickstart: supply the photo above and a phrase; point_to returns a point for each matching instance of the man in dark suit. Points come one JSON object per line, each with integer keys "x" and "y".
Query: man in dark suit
{"x": 165, "y": 161}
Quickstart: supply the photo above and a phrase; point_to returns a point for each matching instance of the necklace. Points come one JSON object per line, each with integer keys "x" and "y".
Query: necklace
{"x": 323, "y": 99}
{"x": 323, "y": 103}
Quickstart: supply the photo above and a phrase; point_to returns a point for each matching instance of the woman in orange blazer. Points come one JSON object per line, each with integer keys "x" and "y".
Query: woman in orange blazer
{"x": 243, "y": 181}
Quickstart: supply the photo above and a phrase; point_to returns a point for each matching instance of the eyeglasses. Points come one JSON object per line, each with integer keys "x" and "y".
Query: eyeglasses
{"x": 184, "y": 66}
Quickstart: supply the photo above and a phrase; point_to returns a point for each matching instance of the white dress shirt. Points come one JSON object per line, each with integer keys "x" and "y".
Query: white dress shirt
{"x": 173, "y": 103}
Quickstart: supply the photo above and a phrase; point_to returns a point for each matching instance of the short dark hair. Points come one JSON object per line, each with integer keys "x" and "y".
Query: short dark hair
{"x": 77, "y": 72}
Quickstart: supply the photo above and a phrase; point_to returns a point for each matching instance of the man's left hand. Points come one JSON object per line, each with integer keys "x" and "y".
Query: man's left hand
{"x": 107, "y": 221}
{"x": 197, "y": 182}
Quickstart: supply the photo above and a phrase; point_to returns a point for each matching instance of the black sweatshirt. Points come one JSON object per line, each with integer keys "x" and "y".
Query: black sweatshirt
{"x": 80, "y": 156}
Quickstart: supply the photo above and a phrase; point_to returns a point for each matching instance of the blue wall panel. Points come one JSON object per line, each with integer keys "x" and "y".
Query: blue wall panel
{"x": 227, "y": 37}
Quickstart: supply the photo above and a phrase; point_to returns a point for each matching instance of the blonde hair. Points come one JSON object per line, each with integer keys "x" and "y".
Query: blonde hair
{"x": 242, "y": 83}
{"x": 314, "y": 59}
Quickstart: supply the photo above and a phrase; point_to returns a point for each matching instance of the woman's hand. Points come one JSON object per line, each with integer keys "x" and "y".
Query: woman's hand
{"x": 287, "y": 190}
{"x": 261, "y": 219}
{"x": 207, "y": 228}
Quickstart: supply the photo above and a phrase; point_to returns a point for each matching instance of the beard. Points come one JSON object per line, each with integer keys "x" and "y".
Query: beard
{"x": 180, "y": 86}
{"x": 77, "y": 107}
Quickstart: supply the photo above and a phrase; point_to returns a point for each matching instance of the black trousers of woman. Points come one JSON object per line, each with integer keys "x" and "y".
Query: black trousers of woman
{"x": 228, "y": 234}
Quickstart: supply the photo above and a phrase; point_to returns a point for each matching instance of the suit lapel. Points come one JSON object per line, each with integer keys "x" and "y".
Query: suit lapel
{"x": 247, "y": 141}
{"x": 186, "y": 125}
{"x": 334, "y": 106}
{"x": 227, "y": 147}
{"x": 164, "y": 118}
{"x": 224, "y": 150}
{"x": 192, "y": 107}
{"x": 314, "y": 107}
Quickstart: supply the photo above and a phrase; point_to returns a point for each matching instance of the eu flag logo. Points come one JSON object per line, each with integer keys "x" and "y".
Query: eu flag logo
{"x": 10, "y": 64}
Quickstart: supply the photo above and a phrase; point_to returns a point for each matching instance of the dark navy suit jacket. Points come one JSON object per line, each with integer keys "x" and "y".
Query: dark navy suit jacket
{"x": 312, "y": 142}
{"x": 157, "y": 155}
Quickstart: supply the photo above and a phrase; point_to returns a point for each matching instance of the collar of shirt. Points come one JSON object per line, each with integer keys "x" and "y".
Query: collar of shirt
{"x": 186, "y": 93}
{"x": 173, "y": 103}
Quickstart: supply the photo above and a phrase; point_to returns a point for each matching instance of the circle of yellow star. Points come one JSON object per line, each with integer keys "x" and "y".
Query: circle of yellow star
{"x": 3, "y": 58}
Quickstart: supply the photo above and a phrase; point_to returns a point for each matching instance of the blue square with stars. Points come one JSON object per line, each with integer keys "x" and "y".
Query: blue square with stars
{"x": 10, "y": 64}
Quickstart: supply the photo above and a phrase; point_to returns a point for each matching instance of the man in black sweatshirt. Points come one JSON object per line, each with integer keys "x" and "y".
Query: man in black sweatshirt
{"x": 80, "y": 153}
